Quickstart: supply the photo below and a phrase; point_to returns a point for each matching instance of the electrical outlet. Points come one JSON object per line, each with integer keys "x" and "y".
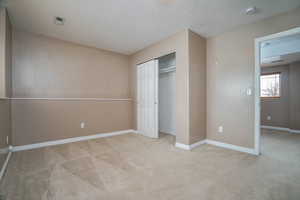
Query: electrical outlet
{"x": 220, "y": 129}
{"x": 82, "y": 125}
{"x": 7, "y": 139}
{"x": 269, "y": 117}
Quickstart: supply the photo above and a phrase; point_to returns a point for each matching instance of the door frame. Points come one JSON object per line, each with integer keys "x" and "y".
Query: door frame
{"x": 257, "y": 71}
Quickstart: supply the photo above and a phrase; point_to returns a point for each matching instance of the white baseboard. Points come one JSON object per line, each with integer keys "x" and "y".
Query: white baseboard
{"x": 102, "y": 135}
{"x": 3, "y": 169}
{"x": 69, "y": 140}
{"x": 192, "y": 146}
{"x": 189, "y": 146}
{"x": 216, "y": 143}
{"x": 294, "y": 131}
{"x": 280, "y": 129}
{"x": 232, "y": 147}
{"x": 182, "y": 146}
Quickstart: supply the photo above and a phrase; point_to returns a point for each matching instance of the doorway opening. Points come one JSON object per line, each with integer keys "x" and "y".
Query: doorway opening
{"x": 156, "y": 94}
{"x": 277, "y": 96}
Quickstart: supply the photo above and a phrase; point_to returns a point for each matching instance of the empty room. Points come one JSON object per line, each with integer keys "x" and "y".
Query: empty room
{"x": 149, "y": 99}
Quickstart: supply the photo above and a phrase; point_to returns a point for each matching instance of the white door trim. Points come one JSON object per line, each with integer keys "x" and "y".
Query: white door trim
{"x": 156, "y": 97}
{"x": 257, "y": 80}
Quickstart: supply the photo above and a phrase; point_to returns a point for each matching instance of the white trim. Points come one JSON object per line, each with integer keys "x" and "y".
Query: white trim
{"x": 280, "y": 129}
{"x": 10, "y": 148}
{"x": 232, "y": 147}
{"x": 3, "y": 169}
{"x": 257, "y": 98}
{"x": 189, "y": 146}
{"x": 156, "y": 104}
{"x": 216, "y": 143}
{"x": 275, "y": 128}
{"x": 73, "y": 99}
{"x": 257, "y": 42}
{"x": 192, "y": 146}
{"x": 69, "y": 140}
{"x": 182, "y": 146}
{"x": 294, "y": 131}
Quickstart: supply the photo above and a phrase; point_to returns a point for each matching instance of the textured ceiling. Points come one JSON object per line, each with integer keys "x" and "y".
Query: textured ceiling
{"x": 126, "y": 26}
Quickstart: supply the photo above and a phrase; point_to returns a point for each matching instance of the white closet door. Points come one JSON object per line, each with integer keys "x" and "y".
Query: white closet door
{"x": 147, "y": 76}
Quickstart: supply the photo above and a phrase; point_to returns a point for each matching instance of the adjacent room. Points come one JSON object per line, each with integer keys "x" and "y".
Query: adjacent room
{"x": 280, "y": 99}
{"x": 153, "y": 100}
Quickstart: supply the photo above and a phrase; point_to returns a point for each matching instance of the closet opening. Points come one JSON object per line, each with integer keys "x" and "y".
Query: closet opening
{"x": 167, "y": 94}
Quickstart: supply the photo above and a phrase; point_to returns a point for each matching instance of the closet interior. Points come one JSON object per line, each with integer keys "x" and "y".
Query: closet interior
{"x": 167, "y": 94}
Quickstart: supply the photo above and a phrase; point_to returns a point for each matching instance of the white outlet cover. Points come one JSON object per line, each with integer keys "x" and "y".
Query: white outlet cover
{"x": 82, "y": 125}
{"x": 269, "y": 117}
{"x": 249, "y": 91}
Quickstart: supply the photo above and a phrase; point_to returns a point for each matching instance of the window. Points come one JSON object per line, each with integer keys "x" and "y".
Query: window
{"x": 270, "y": 85}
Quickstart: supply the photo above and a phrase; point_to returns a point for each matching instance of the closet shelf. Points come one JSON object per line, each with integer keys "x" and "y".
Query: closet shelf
{"x": 167, "y": 69}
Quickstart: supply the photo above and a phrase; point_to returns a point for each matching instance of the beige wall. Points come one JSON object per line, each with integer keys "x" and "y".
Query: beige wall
{"x": 5, "y": 68}
{"x": 295, "y": 96}
{"x": 277, "y": 108}
{"x": 46, "y": 67}
{"x": 197, "y": 82}
{"x": 230, "y": 70}
{"x": 40, "y": 120}
{"x": 177, "y": 43}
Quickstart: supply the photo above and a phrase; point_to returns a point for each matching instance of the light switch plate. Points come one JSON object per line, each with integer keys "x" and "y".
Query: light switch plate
{"x": 220, "y": 129}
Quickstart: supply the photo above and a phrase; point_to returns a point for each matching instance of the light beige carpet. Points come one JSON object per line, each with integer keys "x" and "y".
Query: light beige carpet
{"x": 133, "y": 167}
